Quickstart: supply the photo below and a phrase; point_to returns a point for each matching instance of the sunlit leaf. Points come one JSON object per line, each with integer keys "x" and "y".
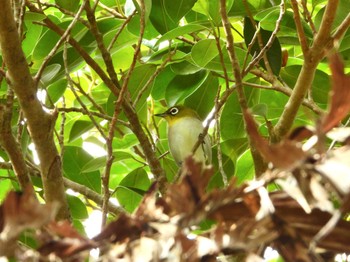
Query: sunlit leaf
{"x": 79, "y": 128}
{"x": 77, "y": 207}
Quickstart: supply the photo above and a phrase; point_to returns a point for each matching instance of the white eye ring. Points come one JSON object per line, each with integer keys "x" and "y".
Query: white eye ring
{"x": 173, "y": 111}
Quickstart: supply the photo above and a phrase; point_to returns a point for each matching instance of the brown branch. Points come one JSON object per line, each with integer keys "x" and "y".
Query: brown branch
{"x": 257, "y": 36}
{"x": 324, "y": 33}
{"x": 101, "y": 46}
{"x": 313, "y": 56}
{"x": 260, "y": 165}
{"x": 277, "y": 86}
{"x": 269, "y": 43}
{"x": 222, "y": 62}
{"x": 71, "y": 85}
{"x": 299, "y": 26}
{"x": 111, "y": 11}
{"x": 92, "y": 195}
{"x": 129, "y": 111}
{"x": 153, "y": 76}
{"x": 65, "y": 11}
{"x": 10, "y": 145}
{"x": 59, "y": 43}
{"x": 40, "y": 123}
{"x": 308, "y": 17}
{"x": 127, "y": 20}
{"x": 85, "y": 112}
{"x": 342, "y": 28}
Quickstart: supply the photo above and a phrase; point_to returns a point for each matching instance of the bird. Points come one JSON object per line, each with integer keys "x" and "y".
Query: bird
{"x": 184, "y": 129}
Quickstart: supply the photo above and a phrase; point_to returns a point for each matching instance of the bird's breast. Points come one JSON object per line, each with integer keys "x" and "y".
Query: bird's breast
{"x": 183, "y": 134}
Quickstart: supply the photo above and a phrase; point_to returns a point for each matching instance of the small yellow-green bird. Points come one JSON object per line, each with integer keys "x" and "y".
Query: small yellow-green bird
{"x": 184, "y": 129}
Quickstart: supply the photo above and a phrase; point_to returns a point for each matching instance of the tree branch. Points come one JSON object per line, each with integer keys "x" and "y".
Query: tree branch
{"x": 259, "y": 163}
{"x": 313, "y": 56}
{"x": 129, "y": 111}
{"x": 40, "y": 123}
{"x": 92, "y": 195}
{"x": 10, "y": 145}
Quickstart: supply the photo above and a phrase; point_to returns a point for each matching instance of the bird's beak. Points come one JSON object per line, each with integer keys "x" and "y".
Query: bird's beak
{"x": 161, "y": 114}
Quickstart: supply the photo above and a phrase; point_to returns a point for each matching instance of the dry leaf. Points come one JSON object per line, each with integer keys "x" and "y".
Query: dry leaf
{"x": 340, "y": 94}
{"x": 285, "y": 155}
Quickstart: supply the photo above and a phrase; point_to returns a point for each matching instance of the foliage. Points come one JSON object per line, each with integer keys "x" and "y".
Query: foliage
{"x": 81, "y": 84}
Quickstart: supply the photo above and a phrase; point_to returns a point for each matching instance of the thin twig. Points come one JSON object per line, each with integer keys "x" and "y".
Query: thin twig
{"x": 117, "y": 108}
{"x": 111, "y": 11}
{"x": 259, "y": 163}
{"x": 9, "y": 143}
{"x": 269, "y": 43}
{"x": 313, "y": 56}
{"x": 66, "y": 12}
{"x": 114, "y": 39}
{"x": 58, "y": 44}
{"x": 84, "y": 112}
{"x": 219, "y": 151}
{"x": 129, "y": 111}
{"x": 300, "y": 29}
{"x": 92, "y": 195}
{"x": 71, "y": 85}
{"x": 21, "y": 17}
{"x": 153, "y": 76}
{"x": 259, "y": 37}
{"x": 221, "y": 56}
{"x": 308, "y": 17}
{"x": 101, "y": 46}
{"x": 93, "y": 102}
{"x": 62, "y": 128}
{"x": 342, "y": 28}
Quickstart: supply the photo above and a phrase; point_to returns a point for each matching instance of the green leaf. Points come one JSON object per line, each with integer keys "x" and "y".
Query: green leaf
{"x": 56, "y": 90}
{"x": 245, "y": 168}
{"x": 204, "y": 51}
{"x": 79, "y": 128}
{"x": 134, "y": 27}
{"x": 182, "y": 86}
{"x": 77, "y": 207}
{"x": 274, "y": 53}
{"x": 320, "y": 85}
{"x": 32, "y": 34}
{"x": 71, "y": 5}
{"x": 231, "y": 121}
{"x": 74, "y": 159}
{"x": 128, "y": 199}
{"x": 184, "y": 68}
{"x": 99, "y": 163}
{"x": 131, "y": 189}
{"x": 5, "y": 187}
{"x": 137, "y": 179}
{"x": 165, "y": 15}
{"x": 202, "y": 100}
{"x": 161, "y": 82}
{"x": 43, "y": 47}
{"x": 228, "y": 164}
{"x": 239, "y": 8}
{"x": 49, "y": 73}
{"x": 122, "y": 58}
{"x": 287, "y": 27}
{"x": 260, "y": 110}
{"x": 180, "y": 31}
{"x": 137, "y": 81}
{"x": 125, "y": 142}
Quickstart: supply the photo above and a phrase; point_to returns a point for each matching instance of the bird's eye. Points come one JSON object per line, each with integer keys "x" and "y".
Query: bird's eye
{"x": 174, "y": 111}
